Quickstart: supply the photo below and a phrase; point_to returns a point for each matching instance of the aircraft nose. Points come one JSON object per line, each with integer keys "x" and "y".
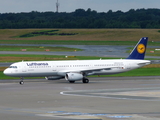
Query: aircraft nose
{"x": 6, "y": 72}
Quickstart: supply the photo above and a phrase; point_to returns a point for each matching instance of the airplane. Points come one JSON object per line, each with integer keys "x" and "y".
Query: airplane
{"x": 76, "y": 70}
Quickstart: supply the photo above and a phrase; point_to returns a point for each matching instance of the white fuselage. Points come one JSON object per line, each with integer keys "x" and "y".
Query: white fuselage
{"x": 60, "y": 68}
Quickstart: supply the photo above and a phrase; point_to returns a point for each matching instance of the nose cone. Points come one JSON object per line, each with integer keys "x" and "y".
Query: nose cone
{"x": 7, "y": 72}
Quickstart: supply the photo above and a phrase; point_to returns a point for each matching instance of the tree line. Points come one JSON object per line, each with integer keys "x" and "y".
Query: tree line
{"x": 80, "y": 18}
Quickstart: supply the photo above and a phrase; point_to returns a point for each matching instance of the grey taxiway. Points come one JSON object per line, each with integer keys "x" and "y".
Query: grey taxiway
{"x": 110, "y": 98}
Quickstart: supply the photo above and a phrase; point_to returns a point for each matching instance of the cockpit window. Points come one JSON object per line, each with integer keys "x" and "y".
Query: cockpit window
{"x": 13, "y": 67}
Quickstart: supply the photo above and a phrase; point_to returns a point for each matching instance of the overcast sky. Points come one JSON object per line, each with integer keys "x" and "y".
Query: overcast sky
{"x": 16, "y": 6}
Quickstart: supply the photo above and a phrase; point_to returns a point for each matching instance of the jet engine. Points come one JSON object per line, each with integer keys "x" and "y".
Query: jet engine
{"x": 54, "y": 77}
{"x": 73, "y": 76}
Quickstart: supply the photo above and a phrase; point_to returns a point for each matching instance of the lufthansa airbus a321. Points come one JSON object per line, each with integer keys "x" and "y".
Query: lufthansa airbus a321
{"x": 75, "y": 70}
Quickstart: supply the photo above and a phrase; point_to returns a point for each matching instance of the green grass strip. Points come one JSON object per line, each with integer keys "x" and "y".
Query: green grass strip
{"x": 73, "y": 42}
{"x": 37, "y": 48}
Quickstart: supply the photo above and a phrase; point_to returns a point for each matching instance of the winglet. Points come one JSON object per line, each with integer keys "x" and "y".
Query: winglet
{"x": 139, "y": 50}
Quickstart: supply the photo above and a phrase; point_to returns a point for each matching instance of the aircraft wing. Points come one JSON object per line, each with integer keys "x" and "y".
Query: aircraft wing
{"x": 86, "y": 71}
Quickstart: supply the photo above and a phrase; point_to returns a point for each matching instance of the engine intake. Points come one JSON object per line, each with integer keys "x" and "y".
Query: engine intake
{"x": 73, "y": 76}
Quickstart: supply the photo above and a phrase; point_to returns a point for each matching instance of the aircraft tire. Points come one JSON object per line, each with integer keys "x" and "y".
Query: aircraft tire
{"x": 21, "y": 82}
{"x": 85, "y": 80}
{"x": 72, "y": 81}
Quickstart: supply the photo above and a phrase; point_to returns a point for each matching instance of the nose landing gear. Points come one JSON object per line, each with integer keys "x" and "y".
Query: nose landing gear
{"x": 21, "y": 82}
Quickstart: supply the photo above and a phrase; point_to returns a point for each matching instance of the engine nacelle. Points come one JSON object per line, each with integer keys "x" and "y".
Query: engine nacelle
{"x": 54, "y": 77}
{"x": 73, "y": 76}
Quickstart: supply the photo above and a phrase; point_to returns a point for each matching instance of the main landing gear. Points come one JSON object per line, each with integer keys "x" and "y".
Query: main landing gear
{"x": 85, "y": 80}
{"x": 72, "y": 81}
{"x": 21, "y": 82}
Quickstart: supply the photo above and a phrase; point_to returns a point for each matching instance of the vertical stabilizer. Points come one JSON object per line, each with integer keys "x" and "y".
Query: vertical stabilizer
{"x": 139, "y": 50}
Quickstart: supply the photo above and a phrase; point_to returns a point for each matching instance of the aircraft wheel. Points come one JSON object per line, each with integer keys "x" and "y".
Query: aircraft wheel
{"x": 85, "y": 80}
{"x": 72, "y": 81}
{"x": 21, "y": 82}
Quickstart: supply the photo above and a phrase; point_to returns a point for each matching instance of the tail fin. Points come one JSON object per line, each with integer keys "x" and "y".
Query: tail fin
{"x": 139, "y": 50}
